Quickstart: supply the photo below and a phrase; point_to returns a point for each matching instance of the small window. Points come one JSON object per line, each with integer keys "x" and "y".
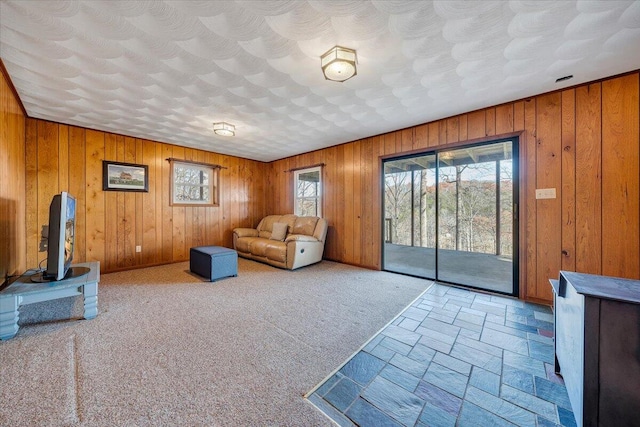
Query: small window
{"x": 194, "y": 183}
{"x": 308, "y": 192}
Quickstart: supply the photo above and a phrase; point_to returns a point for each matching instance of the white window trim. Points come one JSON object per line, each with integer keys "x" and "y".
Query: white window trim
{"x": 318, "y": 198}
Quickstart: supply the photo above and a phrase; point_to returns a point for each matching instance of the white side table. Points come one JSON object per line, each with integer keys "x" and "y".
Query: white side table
{"x": 23, "y": 291}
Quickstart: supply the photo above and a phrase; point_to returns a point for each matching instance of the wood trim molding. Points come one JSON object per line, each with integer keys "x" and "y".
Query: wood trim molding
{"x": 305, "y": 167}
{"x": 191, "y": 162}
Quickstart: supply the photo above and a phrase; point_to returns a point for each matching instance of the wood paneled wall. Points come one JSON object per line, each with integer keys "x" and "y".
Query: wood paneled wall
{"x": 12, "y": 182}
{"x": 111, "y": 224}
{"x": 583, "y": 141}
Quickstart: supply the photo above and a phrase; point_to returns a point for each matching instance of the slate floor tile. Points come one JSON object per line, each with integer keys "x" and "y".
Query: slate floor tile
{"x": 540, "y": 338}
{"x": 405, "y": 336}
{"x": 503, "y": 409}
{"x": 447, "y": 379}
{"x": 474, "y": 416}
{"x": 552, "y": 392}
{"x": 476, "y": 357}
{"x": 439, "y": 398}
{"x": 505, "y": 341}
{"x": 540, "y": 324}
{"x": 524, "y": 363}
{"x": 373, "y": 342}
{"x": 437, "y": 299}
{"x": 474, "y": 335}
{"x": 422, "y": 353}
{"x": 433, "y": 416}
{"x": 470, "y": 318}
{"x": 439, "y": 326}
{"x": 435, "y": 334}
{"x": 547, "y": 317}
{"x": 409, "y": 324}
{"x": 400, "y": 377}
{"x": 382, "y": 352}
{"x": 485, "y": 380}
{"x": 396, "y": 345}
{"x": 393, "y": 400}
{"x": 415, "y": 313}
{"x": 518, "y": 379}
{"x": 479, "y": 313}
{"x": 435, "y": 344}
{"x": 468, "y": 326}
{"x": 411, "y": 366}
{"x": 489, "y": 307}
{"x": 495, "y": 318}
{"x": 364, "y": 414}
{"x": 362, "y": 368}
{"x": 447, "y": 310}
{"x": 541, "y": 351}
{"x": 479, "y": 345}
{"x": 324, "y": 388}
{"x": 454, "y": 358}
{"x": 342, "y": 394}
{"x": 502, "y": 328}
{"x": 566, "y": 418}
{"x": 543, "y": 422}
{"x": 530, "y": 402}
{"x": 520, "y": 326}
{"x": 455, "y": 305}
{"x": 508, "y": 301}
{"x": 442, "y": 317}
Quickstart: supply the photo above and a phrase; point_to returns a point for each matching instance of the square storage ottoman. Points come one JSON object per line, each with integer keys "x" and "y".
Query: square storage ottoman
{"x": 213, "y": 262}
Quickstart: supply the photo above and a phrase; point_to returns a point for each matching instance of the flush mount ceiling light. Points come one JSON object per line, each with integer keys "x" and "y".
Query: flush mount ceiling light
{"x": 224, "y": 129}
{"x": 339, "y": 63}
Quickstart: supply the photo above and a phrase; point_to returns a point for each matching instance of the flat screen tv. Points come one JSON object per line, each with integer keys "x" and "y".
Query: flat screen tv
{"x": 62, "y": 220}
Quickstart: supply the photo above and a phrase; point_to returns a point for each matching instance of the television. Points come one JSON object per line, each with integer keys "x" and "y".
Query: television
{"x": 60, "y": 240}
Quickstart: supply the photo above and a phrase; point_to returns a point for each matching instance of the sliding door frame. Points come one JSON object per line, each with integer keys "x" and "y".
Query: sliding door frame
{"x": 519, "y": 203}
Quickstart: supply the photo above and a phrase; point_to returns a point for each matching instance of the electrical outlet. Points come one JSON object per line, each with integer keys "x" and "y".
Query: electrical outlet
{"x": 545, "y": 193}
{"x": 138, "y": 248}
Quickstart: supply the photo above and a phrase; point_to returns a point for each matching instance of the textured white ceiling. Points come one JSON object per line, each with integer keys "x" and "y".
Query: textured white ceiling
{"x": 166, "y": 70}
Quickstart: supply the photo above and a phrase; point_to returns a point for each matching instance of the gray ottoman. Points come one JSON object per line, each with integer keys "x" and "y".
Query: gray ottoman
{"x": 213, "y": 262}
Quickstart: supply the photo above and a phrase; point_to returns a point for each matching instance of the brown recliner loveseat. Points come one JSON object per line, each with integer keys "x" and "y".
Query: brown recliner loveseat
{"x": 285, "y": 241}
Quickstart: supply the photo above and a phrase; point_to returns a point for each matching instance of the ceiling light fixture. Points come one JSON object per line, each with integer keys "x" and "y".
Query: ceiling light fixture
{"x": 224, "y": 129}
{"x": 339, "y": 64}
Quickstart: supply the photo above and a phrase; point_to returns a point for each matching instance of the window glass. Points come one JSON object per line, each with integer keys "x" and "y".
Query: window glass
{"x": 308, "y": 192}
{"x": 194, "y": 184}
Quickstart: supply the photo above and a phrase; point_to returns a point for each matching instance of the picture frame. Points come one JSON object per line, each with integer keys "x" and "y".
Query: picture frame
{"x": 119, "y": 176}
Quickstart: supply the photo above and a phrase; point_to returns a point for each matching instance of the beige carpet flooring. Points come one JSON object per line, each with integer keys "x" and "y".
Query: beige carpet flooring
{"x": 168, "y": 349}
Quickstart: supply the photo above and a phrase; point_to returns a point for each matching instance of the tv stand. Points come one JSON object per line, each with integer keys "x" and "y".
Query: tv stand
{"x": 72, "y": 272}
{"x": 23, "y": 291}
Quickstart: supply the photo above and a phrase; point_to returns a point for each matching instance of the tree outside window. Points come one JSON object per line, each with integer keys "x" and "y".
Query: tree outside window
{"x": 194, "y": 183}
{"x": 308, "y": 192}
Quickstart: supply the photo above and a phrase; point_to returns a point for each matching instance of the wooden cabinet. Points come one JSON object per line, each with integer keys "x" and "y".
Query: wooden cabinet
{"x": 597, "y": 346}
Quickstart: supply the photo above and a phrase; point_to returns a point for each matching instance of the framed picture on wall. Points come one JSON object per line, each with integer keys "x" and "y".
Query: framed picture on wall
{"x": 118, "y": 176}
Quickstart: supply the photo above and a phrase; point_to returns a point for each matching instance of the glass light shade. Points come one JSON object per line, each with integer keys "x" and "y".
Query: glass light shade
{"x": 224, "y": 129}
{"x": 339, "y": 63}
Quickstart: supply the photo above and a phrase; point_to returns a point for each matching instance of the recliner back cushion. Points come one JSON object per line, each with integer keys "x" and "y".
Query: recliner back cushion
{"x": 305, "y": 225}
{"x": 266, "y": 225}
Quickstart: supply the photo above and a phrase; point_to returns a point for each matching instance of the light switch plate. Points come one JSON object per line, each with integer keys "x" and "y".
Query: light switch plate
{"x": 545, "y": 193}
{"x": 138, "y": 248}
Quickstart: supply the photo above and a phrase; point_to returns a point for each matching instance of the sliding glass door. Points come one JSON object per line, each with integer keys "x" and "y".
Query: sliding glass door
{"x": 449, "y": 216}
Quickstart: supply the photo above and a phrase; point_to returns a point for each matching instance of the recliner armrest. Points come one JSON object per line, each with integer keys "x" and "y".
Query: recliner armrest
{"x": 300, "y": 238}
{"x": 245, "y": 232}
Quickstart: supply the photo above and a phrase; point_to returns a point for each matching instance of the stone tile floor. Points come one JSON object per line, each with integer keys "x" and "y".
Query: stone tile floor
{"x": 454, "y": 357}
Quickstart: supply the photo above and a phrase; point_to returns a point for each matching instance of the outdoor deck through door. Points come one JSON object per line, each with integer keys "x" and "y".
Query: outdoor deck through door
{"x": 449, "y": 216}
